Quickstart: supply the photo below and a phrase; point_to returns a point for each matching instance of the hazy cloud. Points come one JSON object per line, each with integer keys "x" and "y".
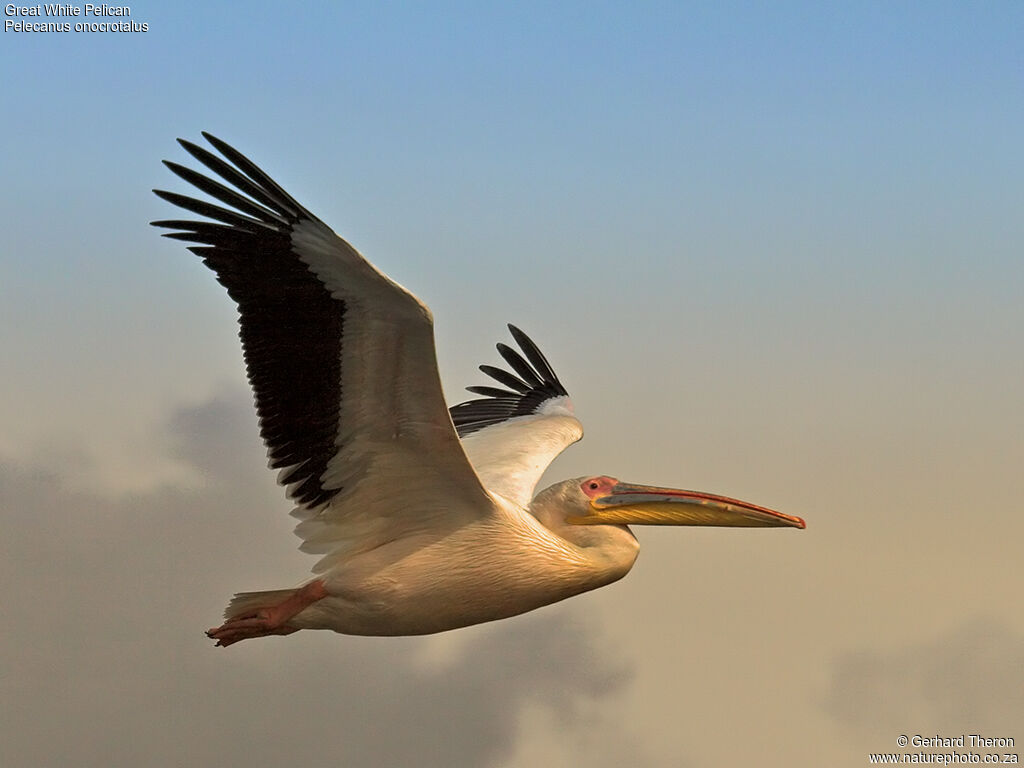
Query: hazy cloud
{"x": 104, "y": 662}
{"x": 970, "y": 678}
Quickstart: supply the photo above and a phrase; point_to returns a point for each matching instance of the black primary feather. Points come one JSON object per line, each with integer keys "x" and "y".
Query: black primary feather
{"x": 291, "y": 327}
{"x": 535, "y": 385}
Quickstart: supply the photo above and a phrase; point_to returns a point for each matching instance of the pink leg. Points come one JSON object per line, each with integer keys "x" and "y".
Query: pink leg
{"x": 268, "y": 621}
{"x": 226, "y": 637}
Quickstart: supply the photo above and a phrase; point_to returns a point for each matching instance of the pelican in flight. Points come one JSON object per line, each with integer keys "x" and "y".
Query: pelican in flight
{"x": 424, "y": 517}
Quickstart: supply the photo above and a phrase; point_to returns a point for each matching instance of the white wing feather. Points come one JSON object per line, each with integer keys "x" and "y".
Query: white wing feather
{"x": 510, "y": 457}
{"x": 399, "y": 465}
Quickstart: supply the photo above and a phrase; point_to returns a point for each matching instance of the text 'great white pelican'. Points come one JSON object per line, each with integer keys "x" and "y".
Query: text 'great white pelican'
{"x": 424, "y": 516}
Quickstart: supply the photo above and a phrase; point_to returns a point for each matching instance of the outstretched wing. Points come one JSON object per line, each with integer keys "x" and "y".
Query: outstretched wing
{"x": 512, "y": 435}
{"x": 340, "y": 358}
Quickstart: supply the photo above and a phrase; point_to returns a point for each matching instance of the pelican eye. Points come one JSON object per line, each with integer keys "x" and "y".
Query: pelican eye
{"x": 593, "y": 486}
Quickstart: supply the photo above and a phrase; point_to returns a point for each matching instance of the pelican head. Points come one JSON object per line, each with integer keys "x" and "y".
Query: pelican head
{"x": 594, "y": 514}
{"x": 604, "y": 500}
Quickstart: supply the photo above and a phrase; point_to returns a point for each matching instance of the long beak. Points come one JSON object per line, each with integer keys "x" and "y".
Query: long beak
{"x": 647, "y": 505}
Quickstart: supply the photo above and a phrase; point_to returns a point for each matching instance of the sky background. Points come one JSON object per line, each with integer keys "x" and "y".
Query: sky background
{"x": 774, "y": 250}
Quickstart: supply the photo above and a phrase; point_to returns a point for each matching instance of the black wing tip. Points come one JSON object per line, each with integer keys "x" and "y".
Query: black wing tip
{"x": 242, "y": 230}
{"x": 535, "y": 384}
{"x": 189, "y": 146}
{"x": 529, "y": 348}
{"x": 521, "y": 338}
{"x": 192, "y": 148}
{"x": 221, "y": 146}
{"x": 504, "y": 377}
{"x": 492, "y": 392}
{"x": 237, "y": 183}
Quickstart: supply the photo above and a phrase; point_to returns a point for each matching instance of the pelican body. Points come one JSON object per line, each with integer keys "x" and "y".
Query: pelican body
{"x": 424, "y": 517}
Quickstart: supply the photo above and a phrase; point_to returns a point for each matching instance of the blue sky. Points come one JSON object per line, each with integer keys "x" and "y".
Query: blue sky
{"x": 773, "y": 249}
